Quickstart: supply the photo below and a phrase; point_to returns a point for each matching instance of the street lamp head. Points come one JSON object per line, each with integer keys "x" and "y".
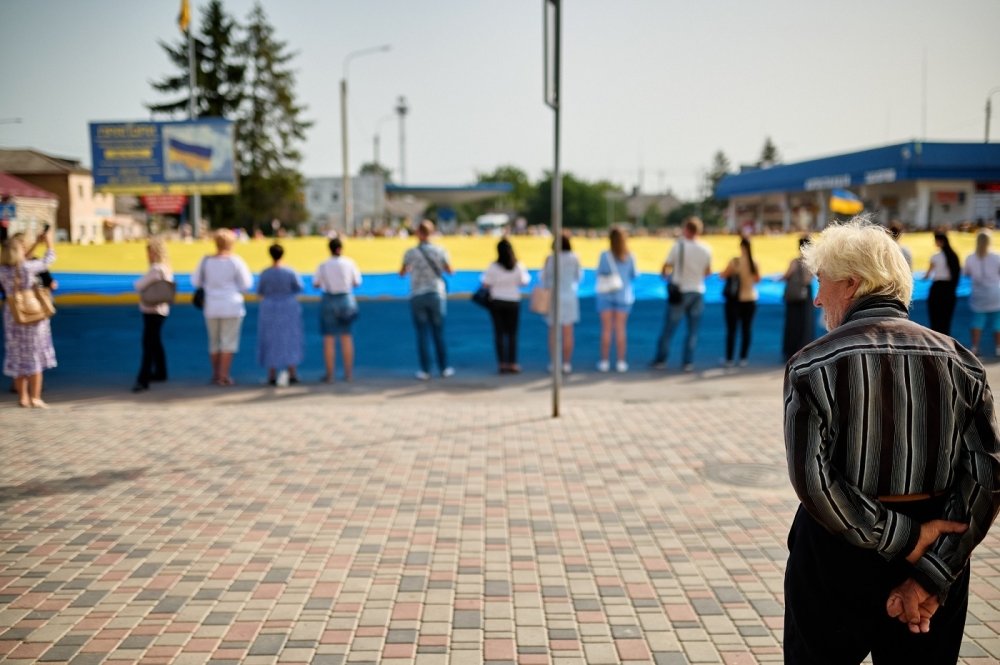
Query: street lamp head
{"x": 365, "y": 51}
{"x": 401, "y": 107}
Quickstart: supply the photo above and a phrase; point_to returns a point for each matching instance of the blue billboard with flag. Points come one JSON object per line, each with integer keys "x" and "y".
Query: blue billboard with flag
{"x": 181, "y": 157}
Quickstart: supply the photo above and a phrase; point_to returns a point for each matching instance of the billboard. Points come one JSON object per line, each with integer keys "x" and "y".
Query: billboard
{"x": 181, "y": 157}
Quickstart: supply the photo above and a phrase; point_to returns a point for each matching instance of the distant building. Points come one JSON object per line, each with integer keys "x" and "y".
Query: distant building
{"x": 325, "y": 205}
{"x": 26, "y": 208}
{"x": 81, "y": 213}
{"x": 921, "y": 184}
{"x": 638, "y": 206}
{"x": 377, "y": 203}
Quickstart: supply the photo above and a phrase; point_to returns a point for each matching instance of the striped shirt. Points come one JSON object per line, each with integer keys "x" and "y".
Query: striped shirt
{"x": 882, "y": 406}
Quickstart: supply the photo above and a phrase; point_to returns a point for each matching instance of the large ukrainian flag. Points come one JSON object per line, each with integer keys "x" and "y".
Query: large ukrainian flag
{"x": 844, "y": 202}
{"x": 195, "y": 157}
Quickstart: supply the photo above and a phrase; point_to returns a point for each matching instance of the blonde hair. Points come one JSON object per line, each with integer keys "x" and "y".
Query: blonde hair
{"x": 224, "y": 240}
{"x": 694, "y": 225}
{"x": 859, "y": 248}
{"x": 12, "y": 252}
{"x": 157, "y": 250}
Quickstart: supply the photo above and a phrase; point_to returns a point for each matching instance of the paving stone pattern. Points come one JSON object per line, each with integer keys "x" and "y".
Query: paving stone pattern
{"x": 407, "y": 525}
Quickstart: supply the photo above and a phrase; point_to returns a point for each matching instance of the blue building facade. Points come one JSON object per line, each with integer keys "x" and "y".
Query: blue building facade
{"x": 921, "y": 184}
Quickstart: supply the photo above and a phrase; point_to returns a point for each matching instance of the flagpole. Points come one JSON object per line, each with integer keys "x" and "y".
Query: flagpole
{"x": 192, "y": 105}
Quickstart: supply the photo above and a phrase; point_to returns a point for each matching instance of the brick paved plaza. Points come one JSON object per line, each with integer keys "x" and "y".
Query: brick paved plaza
{"x": 395, "y": 522}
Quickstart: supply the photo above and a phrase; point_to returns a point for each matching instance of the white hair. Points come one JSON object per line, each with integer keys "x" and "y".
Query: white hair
{"x": 865, "y": 250}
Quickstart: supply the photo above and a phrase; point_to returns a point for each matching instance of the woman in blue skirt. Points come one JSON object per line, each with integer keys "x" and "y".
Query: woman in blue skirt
{"x": 279, "y": 320}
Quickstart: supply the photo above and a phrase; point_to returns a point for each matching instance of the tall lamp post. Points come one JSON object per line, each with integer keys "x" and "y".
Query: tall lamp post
{"x": 552, "y": 35}
{"x": 988, "y": 111}
{"x": 346, "y": 190}
{"x": 375, "y": 145}
{"x": 376, "y": 139}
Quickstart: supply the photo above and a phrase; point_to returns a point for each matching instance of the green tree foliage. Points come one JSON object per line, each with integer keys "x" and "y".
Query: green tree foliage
{"x": 218, "y": 70}
{"x": 713, "y": 208}
{"x": 243, "y": 73}
{"x": 682, "y": 212}
{"x": 585, "y": 204}
{"x": 219, "y": 73}
{"x": 769, "y": 154}
{"x": 373, "y": 168}
{"x": 515, "y": 203}
{"x": 271, "y": 128}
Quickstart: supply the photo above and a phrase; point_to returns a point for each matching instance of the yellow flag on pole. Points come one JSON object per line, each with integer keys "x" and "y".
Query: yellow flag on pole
{"x": 184, "y": 18}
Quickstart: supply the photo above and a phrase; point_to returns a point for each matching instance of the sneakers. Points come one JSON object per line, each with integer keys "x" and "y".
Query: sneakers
{"x": 621, "y": 366}
{"x": 744, "y": 363}
{"x": 423, "y": 376}
{"x": 688, "y": 367}
{"x": 603, "y": 366}
{"x": 448, "y": 371}
{"x": 658, "y": 365}
{"x": 728, "y": 364}
{"x": 567, "y": 368}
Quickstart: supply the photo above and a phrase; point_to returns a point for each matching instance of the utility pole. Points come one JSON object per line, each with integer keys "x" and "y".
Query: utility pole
{"x": 402, "y": 109}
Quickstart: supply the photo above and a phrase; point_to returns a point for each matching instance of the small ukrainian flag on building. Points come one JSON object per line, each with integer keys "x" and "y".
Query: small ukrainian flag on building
{"x": 844, "y": 202}
{"x": 195, "y": 157}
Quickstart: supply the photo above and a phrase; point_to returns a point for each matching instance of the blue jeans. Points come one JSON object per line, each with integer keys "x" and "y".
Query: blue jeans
{"x": 428, "y": 311}
{"x": 691, "y": 307}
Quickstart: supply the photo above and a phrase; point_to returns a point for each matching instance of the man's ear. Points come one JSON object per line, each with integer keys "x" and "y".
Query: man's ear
{"x": 853, "y": 284}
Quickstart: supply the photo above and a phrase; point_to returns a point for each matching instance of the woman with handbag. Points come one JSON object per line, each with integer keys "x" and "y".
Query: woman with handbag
{"x": 616, "y": 270}
{"x": 570, "y": 274}
{"x": 504, "y": 278}
{"x": 741, "y": 277}
{"x": 224, "y": 277}
{"x": 156, "y": 289}
{"x": 800, "y": 315}
{"x": 28, "y": 349}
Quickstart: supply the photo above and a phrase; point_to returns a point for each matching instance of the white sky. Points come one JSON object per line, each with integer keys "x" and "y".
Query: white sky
{"x": 649, "y": 86}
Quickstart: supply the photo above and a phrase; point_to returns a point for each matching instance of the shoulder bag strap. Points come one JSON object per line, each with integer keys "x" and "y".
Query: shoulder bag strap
{"x": 427, "y": 258}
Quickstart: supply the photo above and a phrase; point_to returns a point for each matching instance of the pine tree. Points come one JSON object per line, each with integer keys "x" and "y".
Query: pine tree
{"x": 769, "y": 154}
{"x": 218, "y": 71}
{"x": 270, "y": 129}
{"x": 218, "y": 83}
{"x": 712, "y": 208}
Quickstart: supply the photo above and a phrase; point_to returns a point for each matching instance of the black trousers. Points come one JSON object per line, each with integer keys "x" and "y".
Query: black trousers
{"x": 153, "y": 366}
{"x": 506, "y": 315}
{"x": 740, "y": 314}
{"x": 941, "y": 306}
{"x": 835, "y": 596}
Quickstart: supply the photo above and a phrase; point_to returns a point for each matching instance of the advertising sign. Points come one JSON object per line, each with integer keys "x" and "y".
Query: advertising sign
{"x": 183, "y": 157}
{"x": 164, "y": 204}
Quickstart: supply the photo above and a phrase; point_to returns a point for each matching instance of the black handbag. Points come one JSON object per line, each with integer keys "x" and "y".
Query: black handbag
{"x": 482, "y": 297}
{"x": 731, "y": 289}
{"x": 674, "y": 295}
{"x": 198, "y": 299}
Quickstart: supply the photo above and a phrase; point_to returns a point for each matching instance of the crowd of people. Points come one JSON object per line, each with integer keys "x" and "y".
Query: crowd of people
{"x": 222, "y": 279}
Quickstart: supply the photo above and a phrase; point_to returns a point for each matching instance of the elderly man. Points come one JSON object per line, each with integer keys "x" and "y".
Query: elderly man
{"x": 892, "y": 449}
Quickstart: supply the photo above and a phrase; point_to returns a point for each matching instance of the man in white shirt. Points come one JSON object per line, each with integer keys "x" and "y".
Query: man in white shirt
{"x": 687, "y": 265}
{"x": 427, "y": 264}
